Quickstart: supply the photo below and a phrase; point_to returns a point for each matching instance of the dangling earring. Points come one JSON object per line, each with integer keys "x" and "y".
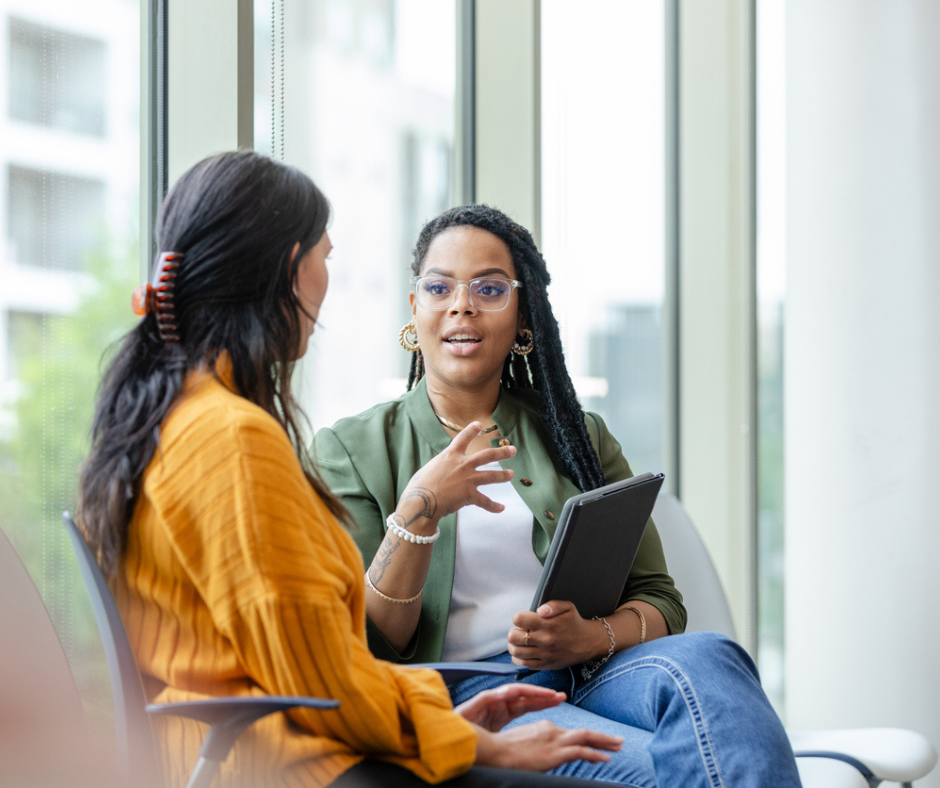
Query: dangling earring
{"x": 524, "y": 350}
{"x": 408, "y": 337}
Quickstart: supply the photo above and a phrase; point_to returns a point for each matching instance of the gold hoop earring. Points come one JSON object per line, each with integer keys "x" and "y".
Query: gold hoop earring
{"x": 408, "y": 337}
{"x": 524, "y": 350}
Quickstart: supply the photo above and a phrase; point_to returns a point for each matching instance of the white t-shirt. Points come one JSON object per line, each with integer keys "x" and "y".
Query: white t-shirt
{"x": 495, "y": 574}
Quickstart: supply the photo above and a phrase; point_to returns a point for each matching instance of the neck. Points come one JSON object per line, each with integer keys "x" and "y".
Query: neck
{"x": 464, "y": 406}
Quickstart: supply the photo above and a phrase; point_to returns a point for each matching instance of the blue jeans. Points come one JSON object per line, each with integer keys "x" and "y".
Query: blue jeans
{"x": 690, "y": 708}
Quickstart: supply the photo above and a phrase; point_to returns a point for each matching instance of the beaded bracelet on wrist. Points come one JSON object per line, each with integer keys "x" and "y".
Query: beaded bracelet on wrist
{"x": 403, "y": 533}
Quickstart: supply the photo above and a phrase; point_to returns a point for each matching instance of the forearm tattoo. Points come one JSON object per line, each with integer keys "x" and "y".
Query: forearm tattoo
{"x": 428, "y": 499}
{"x": 383, "y": 559}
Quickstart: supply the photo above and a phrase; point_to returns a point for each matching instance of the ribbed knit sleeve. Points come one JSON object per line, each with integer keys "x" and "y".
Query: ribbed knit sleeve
{"x": 240, "y": 579}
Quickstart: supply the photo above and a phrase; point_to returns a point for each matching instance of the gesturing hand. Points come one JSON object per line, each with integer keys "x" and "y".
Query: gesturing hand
{"x": 493, "y": 709}
{"x": 540, "y": 746}
{"x": 451, "y": 480}
{"x": 555, "y": 636}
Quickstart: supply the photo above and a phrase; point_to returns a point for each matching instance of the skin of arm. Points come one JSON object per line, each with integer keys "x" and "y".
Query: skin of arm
{"x": 441, "y": 487}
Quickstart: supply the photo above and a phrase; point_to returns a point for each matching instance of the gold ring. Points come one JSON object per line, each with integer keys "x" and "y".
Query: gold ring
{"x": 527, "y": 637}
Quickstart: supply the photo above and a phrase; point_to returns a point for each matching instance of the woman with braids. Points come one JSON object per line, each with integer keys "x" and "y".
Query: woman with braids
{"x": 487, "y": 352}
{"x": 226, "y": 551}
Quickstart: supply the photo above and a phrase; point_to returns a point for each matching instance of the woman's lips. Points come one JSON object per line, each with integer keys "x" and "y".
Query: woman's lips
{"x": 463, "y": 344}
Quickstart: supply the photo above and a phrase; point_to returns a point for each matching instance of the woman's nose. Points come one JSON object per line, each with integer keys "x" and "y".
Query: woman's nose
{"x": 462, "y": 302}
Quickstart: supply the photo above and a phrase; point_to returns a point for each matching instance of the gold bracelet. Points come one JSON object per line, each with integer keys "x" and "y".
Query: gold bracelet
{"x": 390, "y": 598}
{"x": 642, "y": 621}
{"x": 589, "y": 668}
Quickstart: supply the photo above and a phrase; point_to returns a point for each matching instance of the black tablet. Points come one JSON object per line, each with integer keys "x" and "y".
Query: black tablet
{"x": 595, "y": 543}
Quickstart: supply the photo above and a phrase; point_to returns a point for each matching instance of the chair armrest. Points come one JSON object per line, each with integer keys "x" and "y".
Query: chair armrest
{"x": 228, "y": 717}
{"x": 453, "y": 672}
{"x": 893, "y": 754}
{"x": 822, "y": 772}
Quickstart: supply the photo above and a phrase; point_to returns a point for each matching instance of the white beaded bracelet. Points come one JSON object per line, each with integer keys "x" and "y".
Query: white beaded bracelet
{"x": 404, "y": 533}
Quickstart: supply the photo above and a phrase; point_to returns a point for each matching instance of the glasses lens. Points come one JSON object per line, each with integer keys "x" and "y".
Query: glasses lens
{"x": 438, "y": 292}
{"x": 491, "y": 294}
{"x": 435, "y": 292}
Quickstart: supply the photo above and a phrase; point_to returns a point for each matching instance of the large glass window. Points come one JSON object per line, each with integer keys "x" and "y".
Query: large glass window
{"x": 603, "y": 176}
{"x": 69, "y": 168}
{"x": 368, "y": 111}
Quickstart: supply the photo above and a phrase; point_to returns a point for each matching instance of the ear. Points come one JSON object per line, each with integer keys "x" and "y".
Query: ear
{"x": 293, "y": 253}
{"x": 411, "y": 299}
{"x": 520, "y": 324}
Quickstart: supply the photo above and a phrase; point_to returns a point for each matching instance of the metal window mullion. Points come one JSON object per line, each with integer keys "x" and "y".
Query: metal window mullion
{"x": 153, "y": 125}
{"x": 465, "y": 105}
{"x": 672, "y": 312}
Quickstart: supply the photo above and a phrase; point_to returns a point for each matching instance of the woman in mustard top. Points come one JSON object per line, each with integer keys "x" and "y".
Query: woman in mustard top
{"x": 226, "y": 551}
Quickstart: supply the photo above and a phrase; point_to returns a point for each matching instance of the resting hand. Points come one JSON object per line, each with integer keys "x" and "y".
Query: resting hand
{"x": 450, "y": 480}
{"x": 558, "y": 637}
{"x": 493, "y": 709}
{"x": 540, "y": 746}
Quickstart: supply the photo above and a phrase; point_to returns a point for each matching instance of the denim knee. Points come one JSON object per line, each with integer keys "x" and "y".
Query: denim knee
{"x": 709, "y": 660}
{"x": 707, "y": 650}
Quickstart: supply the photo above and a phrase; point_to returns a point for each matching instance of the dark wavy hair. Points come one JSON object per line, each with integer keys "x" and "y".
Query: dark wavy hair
{"x": 544, "y": 368}
{"x": 234, "y": 218}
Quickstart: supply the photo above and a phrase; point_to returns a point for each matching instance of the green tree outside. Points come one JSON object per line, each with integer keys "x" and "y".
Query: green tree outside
{"x": 59, "y": 361}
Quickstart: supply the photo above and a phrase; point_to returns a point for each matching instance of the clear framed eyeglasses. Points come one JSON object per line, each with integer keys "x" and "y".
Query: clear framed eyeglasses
{"x": 489, "y": 294}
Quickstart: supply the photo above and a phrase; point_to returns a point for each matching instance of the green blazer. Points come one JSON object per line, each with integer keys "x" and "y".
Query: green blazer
{"x": 368, "y": 460}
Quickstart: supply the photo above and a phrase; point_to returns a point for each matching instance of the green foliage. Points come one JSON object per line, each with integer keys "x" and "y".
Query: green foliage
{"x": 59, "y": 362}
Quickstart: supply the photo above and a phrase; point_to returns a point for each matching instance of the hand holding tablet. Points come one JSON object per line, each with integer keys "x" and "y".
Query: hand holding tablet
{"x": 595, "y": 544}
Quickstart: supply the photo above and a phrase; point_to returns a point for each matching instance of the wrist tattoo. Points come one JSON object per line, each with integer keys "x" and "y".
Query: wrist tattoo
{"x": 429, "y": 501}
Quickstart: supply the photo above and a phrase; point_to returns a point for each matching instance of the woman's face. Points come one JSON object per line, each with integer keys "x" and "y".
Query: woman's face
{"x": 465, "y": 347}
{"x": 310, "y": 286}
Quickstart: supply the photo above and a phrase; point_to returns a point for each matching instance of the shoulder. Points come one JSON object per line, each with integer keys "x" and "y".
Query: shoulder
{"x": 212, "y": 425}
{"x": 597, "y": 429}
{"x": 367, "y": 430}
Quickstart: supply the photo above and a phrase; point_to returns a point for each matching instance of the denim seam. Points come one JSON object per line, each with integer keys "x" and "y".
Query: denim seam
{"x": 688, "y": 693}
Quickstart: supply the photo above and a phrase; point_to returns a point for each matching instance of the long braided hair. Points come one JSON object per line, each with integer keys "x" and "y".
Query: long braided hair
{"x": 544, "y": 368}
{"x": 234, "y": 219}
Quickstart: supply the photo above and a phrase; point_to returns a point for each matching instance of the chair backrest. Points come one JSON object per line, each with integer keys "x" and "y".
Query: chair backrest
{"x": 691, "y": 567}
{"x": 44, "y": 739}
{"x": 33, "y": 665}
{"x": 136, "y": 752}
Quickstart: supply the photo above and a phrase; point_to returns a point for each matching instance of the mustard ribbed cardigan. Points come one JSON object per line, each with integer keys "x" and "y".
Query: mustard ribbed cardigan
{"x": 237, "y": 580}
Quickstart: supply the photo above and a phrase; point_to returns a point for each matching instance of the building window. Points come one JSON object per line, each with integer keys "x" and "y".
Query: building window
{"x": 54, "y": 219}
{"x": 57, "y": 79}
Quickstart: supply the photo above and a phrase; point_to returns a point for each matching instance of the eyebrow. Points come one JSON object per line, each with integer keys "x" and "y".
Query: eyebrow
{"x": 478, "y": 275}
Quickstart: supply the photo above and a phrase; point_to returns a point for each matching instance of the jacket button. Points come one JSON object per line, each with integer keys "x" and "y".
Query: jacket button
{"x": 504, "y": 442}
{"x": 549, "y": 515}
{"x": 525, "y": 482}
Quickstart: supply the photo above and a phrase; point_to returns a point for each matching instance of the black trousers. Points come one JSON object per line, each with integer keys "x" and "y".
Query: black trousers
{"x": 375, "y": 774}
